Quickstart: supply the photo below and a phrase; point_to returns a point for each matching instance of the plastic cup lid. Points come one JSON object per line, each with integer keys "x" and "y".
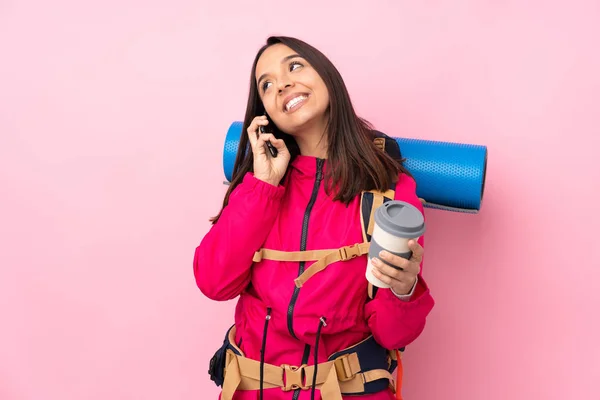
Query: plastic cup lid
{"x": 400, "y": 219}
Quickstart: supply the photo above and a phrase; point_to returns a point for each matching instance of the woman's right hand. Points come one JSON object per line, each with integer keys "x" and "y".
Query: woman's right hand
{"x": 267, "y": 168}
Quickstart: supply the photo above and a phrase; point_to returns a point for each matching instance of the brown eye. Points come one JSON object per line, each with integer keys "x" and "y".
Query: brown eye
{"x": 294, "y": 64}
{"x": 264, "y": 86}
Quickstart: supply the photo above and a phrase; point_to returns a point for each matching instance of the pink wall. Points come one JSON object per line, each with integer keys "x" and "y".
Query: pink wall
{"x": 112, "y": 121}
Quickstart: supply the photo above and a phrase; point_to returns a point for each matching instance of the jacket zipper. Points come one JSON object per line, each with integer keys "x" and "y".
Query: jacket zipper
{"x": 303, "y": 362}
{"x": 311, "y": 203}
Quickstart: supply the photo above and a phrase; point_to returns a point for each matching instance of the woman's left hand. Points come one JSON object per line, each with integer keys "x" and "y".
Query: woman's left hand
{"x": 400, "y": 280}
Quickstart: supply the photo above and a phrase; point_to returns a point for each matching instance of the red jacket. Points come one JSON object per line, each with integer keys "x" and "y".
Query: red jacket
{"x": 299, "y": 215}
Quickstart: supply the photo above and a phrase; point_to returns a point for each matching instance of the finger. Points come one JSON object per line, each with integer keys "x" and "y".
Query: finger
{"x": 387, "y": 270}
{"x": 382, "y": 277}
{"x": 393, "y": 259}
{"x": 252, "y": 136}
{"x": 400, "y": 262}
{"x": 268, "y": 137}
{"x": 253, "y": 129}
{"x": 279, "y": 144}
{"x": 417, "y": 251}
{"x": 260, "y": 147}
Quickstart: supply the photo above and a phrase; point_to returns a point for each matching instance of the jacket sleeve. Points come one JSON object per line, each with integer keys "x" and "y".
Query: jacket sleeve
{"x": 223, "y": 260}
{"x": 395, "y": 322}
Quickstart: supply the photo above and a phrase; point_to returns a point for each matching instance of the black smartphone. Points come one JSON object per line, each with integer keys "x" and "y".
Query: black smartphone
{"x": 270, "y": 146}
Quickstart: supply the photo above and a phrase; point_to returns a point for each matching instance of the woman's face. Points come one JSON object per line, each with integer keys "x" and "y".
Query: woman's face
{"x": 294, "y": 95}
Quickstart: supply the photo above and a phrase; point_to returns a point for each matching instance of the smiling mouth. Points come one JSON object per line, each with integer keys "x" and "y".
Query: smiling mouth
{"x": 295, "y": 103}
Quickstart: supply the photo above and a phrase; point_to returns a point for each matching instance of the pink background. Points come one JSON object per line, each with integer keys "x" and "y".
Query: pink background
{"x": 112, "y": 121}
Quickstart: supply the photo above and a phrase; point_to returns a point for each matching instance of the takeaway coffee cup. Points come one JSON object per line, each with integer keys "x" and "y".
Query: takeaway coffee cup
{"x": 396, "y": 222}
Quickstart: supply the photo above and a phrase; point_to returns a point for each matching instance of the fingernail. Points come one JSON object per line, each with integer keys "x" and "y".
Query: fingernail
{"x": 383, "y": 253}
{"x": 376, "y": 261}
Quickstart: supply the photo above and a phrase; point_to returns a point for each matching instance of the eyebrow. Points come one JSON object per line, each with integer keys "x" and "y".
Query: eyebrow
{"x": 285, "y": 59}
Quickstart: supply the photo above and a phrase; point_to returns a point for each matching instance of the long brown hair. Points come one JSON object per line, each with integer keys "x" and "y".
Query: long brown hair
{"x": 354, "y": 162}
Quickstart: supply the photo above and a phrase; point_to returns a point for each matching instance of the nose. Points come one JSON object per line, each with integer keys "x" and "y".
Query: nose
{"x": 284, "y": 84}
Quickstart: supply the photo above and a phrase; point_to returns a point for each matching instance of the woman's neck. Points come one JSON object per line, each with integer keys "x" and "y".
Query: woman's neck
{"x": 312, "y": 142}
{"x": 313, "y": 148}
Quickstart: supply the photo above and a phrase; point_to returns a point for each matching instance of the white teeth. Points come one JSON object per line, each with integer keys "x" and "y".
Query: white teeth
{"x": 294, "y": 101}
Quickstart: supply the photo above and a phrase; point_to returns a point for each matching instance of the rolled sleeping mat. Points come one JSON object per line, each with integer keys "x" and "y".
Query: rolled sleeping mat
{"x": 450, "y": 176}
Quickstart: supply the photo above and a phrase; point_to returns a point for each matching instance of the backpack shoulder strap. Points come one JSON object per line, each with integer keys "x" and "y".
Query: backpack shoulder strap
{"x": 371, "y": 200}
{"x": 388, "y": 144}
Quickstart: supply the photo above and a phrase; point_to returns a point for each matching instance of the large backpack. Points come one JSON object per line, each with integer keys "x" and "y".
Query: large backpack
{"x": 369, "y": 202}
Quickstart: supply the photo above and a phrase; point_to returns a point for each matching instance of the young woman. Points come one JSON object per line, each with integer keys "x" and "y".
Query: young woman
{"x": 302, "y": 332}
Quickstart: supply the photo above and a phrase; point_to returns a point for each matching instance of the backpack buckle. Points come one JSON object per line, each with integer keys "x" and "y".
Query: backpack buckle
{"x": 293, "y": 377}
{"x": 349, "y": 252}
{"x": 343, "y": 369}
